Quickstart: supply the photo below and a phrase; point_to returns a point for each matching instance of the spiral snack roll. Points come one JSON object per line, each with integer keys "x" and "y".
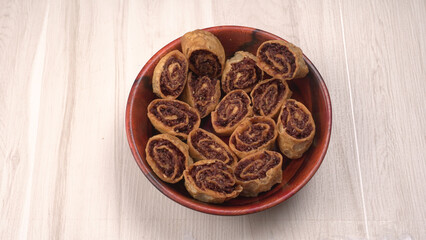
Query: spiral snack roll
{"x": 268, "y": 97}
{"x": 211, "y": 181}
{"x": 258, "y": 172}
{"x": 169, "y": 76}
{"x": 296, "y": 129}
{"x": 241, "y": 72}
{"x": 202, "y": 93}
{"x": 252, "y": 135}
{"x": 168, "y": 157}
{"x": 205, "y": 145}
{"x": 204, "y": 52}
{"x": 231, "y": 110}
{"x": 281, "y": 60}
{"x": 173, "y": 117}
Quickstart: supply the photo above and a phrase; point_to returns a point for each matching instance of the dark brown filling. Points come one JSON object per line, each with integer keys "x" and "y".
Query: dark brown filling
{"x": 172, "y": 82}
{"x": 248, "y": 73}
{"x": 232, "y": 109}
{"x": 280, "y": 55}
{"x": 296, "y": 121}
{"x": 209, "y": 148}
{"x": 174, "y": 114}
{"x": 253, "y": 137}
{"x": 214, "y": 176}
{"x": 202, "y": 89}
{"x": 205, "y": 63}
{"x": 167, "y": 157}
{"x": 267, "y": 96}
{"x": 256, "y": 167}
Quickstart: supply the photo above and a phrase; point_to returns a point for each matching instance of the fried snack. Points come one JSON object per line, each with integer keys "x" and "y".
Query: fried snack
{"x": 252, "y": 135}
{"x": 268, "y": 97}
{"x": 281, "y": 60}
{"x": 231, "y": 110}
{"x": 205, "y": 145}
{"x": 211, "y": 181}
{"x": 168, "y": 157}
{"x": 204, "y": 52}
{"x": 173, "y": 116}
{"x": 296, "y": 129}
{"x": 241, "y": 72}
{"x": 202, "y": 93}
{"x": 169, "y": 76}
{"x": 258, "y": 172}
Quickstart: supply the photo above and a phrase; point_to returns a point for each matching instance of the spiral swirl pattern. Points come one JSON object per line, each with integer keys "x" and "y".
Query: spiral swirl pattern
{"x": 281, "y": 60}
{"x": 268, "y": 96}
{"x": 170, "y": 74}
{"x": 230, "y": 111}
{"x": 241, "y": 72}
{"x": 257, "y": 165}
{"x": 173, "y": 116}
{"x": 214, "y": 176}
{"x": 204, "y": 92}
{"x": 296, "y": 121}
{"x": 258, "y": 172}
{"x": 165, "y": 158}
{"x": 205, "y": 145}
{"x": 253, "y": 134}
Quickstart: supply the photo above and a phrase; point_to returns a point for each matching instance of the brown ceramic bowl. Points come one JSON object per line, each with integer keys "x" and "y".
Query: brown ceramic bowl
{"x": 310, "y": 90}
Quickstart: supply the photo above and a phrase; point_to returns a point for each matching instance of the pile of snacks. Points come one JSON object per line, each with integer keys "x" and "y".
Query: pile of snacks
{"x": 256, "y": 113}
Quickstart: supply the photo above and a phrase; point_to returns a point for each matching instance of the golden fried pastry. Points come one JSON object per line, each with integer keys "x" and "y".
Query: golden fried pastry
{"x": 231, "y": 110}
{"x": 252, "y": 135}
{"x": 211, "y": 181}
{"x": 268, "y": 97}
{"x": 281, "y": 60}
{"x": 258, "y": 172}
{"x": 202, "y": 93}
{"x": 168, "y": 157}
{"x": 173, "y": 117}
{"x": 206, "y": 145}
{"x": 169, "y": 76}
{"x": 241, "y": 72}
{"x": 204, "y": 52}
{"x": 296, "y": 129}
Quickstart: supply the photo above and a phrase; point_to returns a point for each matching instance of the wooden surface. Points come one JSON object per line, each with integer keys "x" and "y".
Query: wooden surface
{"x": 66, "y": 68}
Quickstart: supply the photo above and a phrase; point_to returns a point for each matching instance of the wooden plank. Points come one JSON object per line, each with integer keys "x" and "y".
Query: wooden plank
{"x": 21, "y": 27}
{"x": 386, "y": 60}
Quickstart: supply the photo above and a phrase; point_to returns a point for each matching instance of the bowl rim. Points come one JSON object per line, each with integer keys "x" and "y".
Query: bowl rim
{"x": 211, "y": 208}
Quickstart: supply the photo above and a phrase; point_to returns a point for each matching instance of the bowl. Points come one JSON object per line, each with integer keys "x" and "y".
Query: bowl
{"x": 310, "y": 90}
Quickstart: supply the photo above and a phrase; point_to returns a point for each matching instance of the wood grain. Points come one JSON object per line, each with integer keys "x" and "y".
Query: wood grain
{"x": 388, "y": 87}
{"x": 65, "y": 166}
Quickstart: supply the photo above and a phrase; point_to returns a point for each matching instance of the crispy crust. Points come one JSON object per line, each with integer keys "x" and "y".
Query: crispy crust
{"x": 156, "y": 88}
{"x": 238, "y": 56}
{"x": 276, "y": 109}
{"x": 228, "y": 130}
{"x": 202, "y": 40}
{"x": 166, "y": 129}
{"x": 290, "y": 146}
{"x": 244, "y": 125}
{"x": 208, "y": 195}
{"x": 188, "y": 96}
{"x": 252, "y": 188}
{"x": 182, "y": 148}
{"x": 199, "y": 156}
{"x": 301, "y": 67}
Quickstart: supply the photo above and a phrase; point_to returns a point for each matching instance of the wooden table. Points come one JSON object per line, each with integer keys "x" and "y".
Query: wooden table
{"x": 66, "y": 68}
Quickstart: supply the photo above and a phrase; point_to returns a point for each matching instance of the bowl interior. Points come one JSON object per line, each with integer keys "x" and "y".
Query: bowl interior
{"x": 309, "y": 90}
